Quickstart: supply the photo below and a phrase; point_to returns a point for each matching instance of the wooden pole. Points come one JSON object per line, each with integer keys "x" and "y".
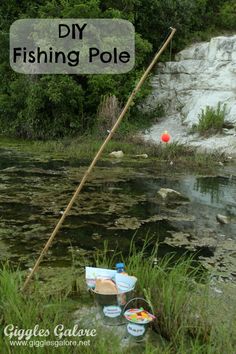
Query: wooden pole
{"x": 93, "y": 163}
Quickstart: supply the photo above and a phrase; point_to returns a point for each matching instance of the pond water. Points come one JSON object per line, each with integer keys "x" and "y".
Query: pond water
{"x": 119, "y": 200}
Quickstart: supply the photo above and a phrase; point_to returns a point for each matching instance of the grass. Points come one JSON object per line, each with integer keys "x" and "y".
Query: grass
{"x": 211, "y": 120}
{"x": 85, "y": 148}
{"x": 25, "y": 311}
{"x": 177, "y": 292}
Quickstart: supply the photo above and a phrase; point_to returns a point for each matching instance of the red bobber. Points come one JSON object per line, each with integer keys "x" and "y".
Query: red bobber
{"x": 165, "y": 137}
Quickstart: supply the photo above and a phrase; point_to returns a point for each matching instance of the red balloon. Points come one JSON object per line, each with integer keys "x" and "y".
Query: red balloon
{"x": 165, "y": 137}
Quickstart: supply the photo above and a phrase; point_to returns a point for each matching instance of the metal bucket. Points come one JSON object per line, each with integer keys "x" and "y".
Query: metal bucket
{"x": 135, "y": 331}
{"x": 111, "y": 306}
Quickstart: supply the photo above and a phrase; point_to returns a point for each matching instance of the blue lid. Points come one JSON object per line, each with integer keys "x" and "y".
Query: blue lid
{"x": 120, "y": 265}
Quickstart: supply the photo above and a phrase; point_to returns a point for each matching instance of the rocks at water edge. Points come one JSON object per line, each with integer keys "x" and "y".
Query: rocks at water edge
{"x": 222, "y": 219}
{"x": 117, "y": 154}
{"x": 170, "y": 196}
{"x": 142, "y": 156}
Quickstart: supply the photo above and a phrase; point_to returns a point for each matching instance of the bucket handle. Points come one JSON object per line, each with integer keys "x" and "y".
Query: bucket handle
{"x": 137, "y": 298}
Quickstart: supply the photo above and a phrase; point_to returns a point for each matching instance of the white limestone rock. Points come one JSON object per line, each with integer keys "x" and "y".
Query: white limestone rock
{"x": 202, "y": 75}
{"x": 222, "y": 219}
{"x": 169, "y": 195}
{"x": 117, "y": 154}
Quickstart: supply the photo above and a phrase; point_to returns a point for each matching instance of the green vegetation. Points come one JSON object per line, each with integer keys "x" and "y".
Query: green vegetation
{"x": 177, "y": 290}
{"x": 174, "y": 154}
{"x": 211, "y": 120}
{"x": 26, "y": 311}
{"x": 55, "y": 106}
{"x": 228, "y": 14}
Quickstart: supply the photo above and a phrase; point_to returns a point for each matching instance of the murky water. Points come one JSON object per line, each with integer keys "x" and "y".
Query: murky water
{"x": 119, "y": 200}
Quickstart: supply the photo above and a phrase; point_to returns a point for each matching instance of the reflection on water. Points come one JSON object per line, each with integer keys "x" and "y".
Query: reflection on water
{"x": 209, "y": 185}
{"x": 218, "y": 188}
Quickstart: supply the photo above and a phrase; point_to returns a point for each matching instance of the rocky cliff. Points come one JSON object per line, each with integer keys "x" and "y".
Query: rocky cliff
{"x": 203, "y": 74}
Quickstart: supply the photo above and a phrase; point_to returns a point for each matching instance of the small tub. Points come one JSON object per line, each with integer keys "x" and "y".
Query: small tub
{"x": 136, "y": 329}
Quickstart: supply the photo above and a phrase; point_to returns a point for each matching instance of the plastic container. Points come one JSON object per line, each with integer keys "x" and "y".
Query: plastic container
{"x": 125, "y": 282}
{"x": 120, "y": 267}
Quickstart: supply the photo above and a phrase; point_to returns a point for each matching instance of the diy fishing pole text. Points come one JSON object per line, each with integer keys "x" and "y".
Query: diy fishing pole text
{"x": 56, "y": 46}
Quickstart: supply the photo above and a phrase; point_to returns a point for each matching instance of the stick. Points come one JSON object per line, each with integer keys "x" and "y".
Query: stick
{"x": 87, "y": 173}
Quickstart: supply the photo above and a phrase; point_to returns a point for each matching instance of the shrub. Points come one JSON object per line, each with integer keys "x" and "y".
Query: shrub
{"x": 211, "y": 120}
{"x": 108, "y": 112}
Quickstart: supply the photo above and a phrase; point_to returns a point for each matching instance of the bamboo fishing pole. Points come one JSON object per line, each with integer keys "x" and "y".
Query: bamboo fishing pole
{"x": 98, "y": 154}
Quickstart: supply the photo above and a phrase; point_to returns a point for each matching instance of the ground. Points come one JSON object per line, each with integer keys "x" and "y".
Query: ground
{"x": 180, "y": 133}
